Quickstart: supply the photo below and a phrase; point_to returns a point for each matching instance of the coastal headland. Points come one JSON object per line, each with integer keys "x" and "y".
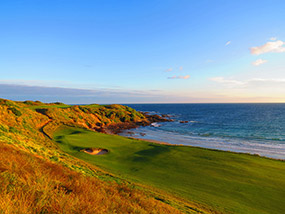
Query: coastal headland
{"x": 55, "y": 142}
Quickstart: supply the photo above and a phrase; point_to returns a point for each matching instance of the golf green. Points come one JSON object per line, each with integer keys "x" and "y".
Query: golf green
{"x": 225, "y": 181}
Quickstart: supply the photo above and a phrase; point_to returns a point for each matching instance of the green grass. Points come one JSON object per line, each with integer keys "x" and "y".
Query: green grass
{"x": 225, "y": 181}
{"x": 49, "y": 106}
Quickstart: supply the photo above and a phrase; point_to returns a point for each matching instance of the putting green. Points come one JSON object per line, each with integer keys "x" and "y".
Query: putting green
{"x": 225, "y": 181}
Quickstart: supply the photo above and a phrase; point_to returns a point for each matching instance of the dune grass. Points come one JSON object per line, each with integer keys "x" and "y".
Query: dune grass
{"x": 224, "y": 181}
{"x": 30, "y": 184}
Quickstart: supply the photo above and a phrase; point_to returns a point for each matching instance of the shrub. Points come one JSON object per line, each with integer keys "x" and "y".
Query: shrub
{"x": 54, "y": 158}
{"x": 13, "y": 130}
{"x": 15, "y": 111}
{"x": 2, "y": 128}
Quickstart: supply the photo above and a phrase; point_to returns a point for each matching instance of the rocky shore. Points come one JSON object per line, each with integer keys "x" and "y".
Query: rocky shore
{"x": 119, "y": 127}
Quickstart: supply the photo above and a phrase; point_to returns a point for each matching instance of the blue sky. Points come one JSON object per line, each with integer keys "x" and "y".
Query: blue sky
{"x": 85, "y": 51}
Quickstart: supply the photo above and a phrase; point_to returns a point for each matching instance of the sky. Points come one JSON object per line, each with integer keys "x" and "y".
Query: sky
{"x": 167, "y": 51}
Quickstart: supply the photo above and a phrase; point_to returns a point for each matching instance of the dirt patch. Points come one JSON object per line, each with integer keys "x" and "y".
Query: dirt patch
{"x": 95, "y": 151}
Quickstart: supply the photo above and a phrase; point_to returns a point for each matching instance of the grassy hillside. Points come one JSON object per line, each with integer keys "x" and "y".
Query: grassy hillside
{"x": 36, "y": 176}
{"x": 30, "y": 184}
{"x": 227, "y": 182}
{"x": 43, "y": 168}
{"x": 30, "y": 124}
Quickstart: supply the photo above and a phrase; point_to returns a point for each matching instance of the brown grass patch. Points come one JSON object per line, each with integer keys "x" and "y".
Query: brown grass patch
{"x": 32, "y": 185}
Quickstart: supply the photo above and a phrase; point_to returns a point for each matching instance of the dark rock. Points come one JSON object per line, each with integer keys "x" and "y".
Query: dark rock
{"x": 149, "y": 119}
{"x": 166, "y": 115}
{"x": 130, "y": 133}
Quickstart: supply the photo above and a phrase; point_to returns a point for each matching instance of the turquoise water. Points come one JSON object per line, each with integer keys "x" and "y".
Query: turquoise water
{"x": 250, "y": 128}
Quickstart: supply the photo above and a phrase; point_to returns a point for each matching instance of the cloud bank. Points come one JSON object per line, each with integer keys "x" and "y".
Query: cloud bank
{"x": 78, "y": 96}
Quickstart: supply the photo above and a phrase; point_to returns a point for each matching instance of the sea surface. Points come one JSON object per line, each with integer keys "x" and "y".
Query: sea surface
{"x": 248, "y": 128}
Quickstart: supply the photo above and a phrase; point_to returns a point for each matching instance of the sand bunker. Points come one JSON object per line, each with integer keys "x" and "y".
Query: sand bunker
{"x": 95, "y": 151}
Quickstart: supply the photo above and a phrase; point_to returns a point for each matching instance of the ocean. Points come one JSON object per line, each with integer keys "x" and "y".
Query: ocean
{"x": 248, "y": 128}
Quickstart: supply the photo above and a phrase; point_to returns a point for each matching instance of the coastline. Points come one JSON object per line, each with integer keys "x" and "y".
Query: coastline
{"x": 140, "y": 130}
{"x": 117, "y": 128}
{"x": 155, "y": 163}
{"x": 255, "y": 129}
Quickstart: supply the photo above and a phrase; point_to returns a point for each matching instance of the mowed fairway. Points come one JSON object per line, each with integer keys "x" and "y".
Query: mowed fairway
{"x": 225, "y": 181}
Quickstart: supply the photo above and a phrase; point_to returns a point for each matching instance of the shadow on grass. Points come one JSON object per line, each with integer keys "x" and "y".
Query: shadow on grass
{"x": 148, "y": 154}
{"x": 76, "y": 148}
{"x": 76, "y": 132}
{"x": 59, "y": 139}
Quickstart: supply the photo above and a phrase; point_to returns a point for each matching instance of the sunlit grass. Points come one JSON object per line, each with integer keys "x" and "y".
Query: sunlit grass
{"x": 227, "y": 182}
{"x": 37, "y": 177}
{"x": 32, "y": 185}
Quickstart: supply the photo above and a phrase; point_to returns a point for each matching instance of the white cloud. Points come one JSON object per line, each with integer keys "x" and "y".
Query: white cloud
{"x": 248, "y": 82}
{"x": 259, "y": 62}
{"x": 226, "y": 81}
{"x": 269, "y": 47}
{"x": 179, "y": 77}
{"x": 272, "y": 80}
{"x": 181, "y": 68}
{"x": 273, "y": 38}
{"x": 228, "y": 42}
{"x": 169, "y": 69}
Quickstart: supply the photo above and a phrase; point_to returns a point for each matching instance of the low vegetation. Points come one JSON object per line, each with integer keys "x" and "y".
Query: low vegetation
{"x": 29, "y": 184}
{"x": 38, "y": 177}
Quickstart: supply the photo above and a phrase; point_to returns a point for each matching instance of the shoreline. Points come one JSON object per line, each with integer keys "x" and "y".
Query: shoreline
{"x": 211, "y": 149}
{"x": 253, "y": 148}
{"x": 118, "y": 128}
